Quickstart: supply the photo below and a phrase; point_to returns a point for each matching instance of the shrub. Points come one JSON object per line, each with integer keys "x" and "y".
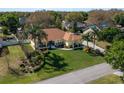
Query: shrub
{"x": 5, "y": 30}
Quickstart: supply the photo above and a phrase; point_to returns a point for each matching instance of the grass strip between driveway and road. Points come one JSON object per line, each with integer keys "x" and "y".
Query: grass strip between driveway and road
{"x": 109, "y": 79}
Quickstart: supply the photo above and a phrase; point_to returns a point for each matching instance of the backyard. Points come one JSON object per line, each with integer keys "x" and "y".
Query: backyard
{"x": 57, "y": 62}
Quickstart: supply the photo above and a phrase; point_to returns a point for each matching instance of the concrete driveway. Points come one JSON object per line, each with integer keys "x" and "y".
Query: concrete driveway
{"x": 90, "y": 44}
{"x": 81, "y": 76}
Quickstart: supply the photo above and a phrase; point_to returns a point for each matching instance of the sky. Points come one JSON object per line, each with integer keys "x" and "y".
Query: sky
{"x": 55, "y": 9}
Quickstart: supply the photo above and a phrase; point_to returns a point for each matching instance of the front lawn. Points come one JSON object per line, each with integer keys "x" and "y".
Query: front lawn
{"x": 57, "y": 62}
{"x": 109, "y": 79}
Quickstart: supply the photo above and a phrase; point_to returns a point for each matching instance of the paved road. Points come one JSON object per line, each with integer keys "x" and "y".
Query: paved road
{"x": 81, "y": 76}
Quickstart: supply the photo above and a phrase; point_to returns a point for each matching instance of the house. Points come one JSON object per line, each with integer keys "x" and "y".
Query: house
{"x": 91, "y": 30}
{"x": 54, "y": 37}
{"x": 72, "y": 40}
{"x": 67, "y": 25}
{"x": 104, "y": 24}
{"x": 59, "y": 38}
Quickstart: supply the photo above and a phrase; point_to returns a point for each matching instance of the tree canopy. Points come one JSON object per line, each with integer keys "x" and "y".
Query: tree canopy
{"x": 102, "y": 17}
{"x": 11, "y": 21}
{"x": 108, "y": 34}
{"x": 115, "y": 55}
{"x": 119, "y": 19}
{"x": 76, "y": 16}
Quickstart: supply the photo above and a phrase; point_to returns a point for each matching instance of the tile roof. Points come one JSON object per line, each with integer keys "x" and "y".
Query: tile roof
{"x": 54, "y": 34}
{"x": 71, "y": 37}
{"x": 57, "y": 34}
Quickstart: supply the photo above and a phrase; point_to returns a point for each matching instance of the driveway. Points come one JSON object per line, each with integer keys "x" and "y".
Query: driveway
{"x": 81, "y": 76}
{"x": 90, "y": 44}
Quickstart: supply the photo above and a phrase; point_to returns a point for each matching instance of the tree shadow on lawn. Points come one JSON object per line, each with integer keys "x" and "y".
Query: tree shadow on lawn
{"x": 55, "y": 63}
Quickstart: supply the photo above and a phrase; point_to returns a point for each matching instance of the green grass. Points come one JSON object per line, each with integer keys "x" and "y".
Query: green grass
{"x": 77, "y": 59}
{"x": 3, "y": 35}
{"x": 58, "y": 62}
{"x": 28, "y": 48}
{"x": 109, "y": 79}
{"x": 15, "y": 53}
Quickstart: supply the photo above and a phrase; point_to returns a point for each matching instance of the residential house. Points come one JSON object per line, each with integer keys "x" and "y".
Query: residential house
{"x": 57, "y": 38}
{"x": 92, "y": 29}
{"x": 72, "y": 40}
{"x": 104, "y": 24}
{"x": 67, "y": 25}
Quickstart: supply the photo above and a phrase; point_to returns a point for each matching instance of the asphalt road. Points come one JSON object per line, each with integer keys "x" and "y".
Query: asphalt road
{"x": 80, "y": 76}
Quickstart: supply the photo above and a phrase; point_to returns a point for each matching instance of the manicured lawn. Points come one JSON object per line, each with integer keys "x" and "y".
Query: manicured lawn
{"x": 77, "y": 59}
{"x": 110, "y": 79}
{"x": 58, "y": 62}
{"x": 15, "y": 53}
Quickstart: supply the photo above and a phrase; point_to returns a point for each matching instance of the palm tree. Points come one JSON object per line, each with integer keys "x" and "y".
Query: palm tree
{"x": 92, "y": 37}
{"x": 86, "y": 37}
{"x": 37, "y": 34}
{"x": 94, "y": 40}
{"x": 41, "y": 37}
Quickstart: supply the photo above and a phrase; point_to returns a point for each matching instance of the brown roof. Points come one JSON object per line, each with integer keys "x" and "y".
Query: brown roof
{"x": 57, "y": 34}
{"x": 54, "y": 34}
{"x": 71, "y": 37}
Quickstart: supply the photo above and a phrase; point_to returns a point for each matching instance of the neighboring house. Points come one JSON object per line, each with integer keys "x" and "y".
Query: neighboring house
{"x": 120, "y": 27}
{"x": 104, "y": 24}
{"x": 91, "y": 29}
{"x": 59, "y": 38}
{"x": 67, "y": 25}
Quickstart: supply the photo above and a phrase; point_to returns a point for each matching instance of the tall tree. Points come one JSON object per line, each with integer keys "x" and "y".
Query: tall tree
{"x": 86, "y": 37}
{"x": 108, "y": 34}
{"x": 92, "y": 37}
{"x": 75, "y": 17}
{"x": 119, "y": 19}
{"x": 11, "y": 21}
{"x": 58, "y": 22}
{"x": 102, "y": 17}
{"x": 115, "y": 55}
{"x": 37, "y": 34}
{"x": 42, "y": 18}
